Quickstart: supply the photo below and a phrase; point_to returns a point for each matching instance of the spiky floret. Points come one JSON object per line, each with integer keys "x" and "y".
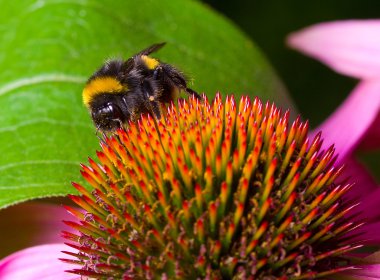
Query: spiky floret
{"x": 212, "y": 191}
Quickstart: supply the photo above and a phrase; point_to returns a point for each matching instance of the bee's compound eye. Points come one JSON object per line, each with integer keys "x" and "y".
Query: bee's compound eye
{"x": 111, "y": 111}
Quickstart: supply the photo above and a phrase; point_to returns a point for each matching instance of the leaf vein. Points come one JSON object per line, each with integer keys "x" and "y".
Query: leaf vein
{"x": 43, "y": 120}
{"x": 35, "y": 162}
{"x": 39, "y": 79}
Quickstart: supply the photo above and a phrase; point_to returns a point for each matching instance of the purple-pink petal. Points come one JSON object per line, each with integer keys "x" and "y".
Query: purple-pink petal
{"x": 365, "y": 195}
{"x": 368, "y": 234}
{"x": 369, "y": 207}
{"x": 372, "y": 137}
{"x": 41, "y": 223}
{"x": 368, "y": 272}
{"x": 364, "y": 183}
{"x": 348, "y": 125}
{"x": 350, "y": 47}
{"x": 39, "y": 262}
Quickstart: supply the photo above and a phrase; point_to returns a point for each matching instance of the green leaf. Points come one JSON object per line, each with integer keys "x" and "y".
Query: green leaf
{"x": 49, "y": 49}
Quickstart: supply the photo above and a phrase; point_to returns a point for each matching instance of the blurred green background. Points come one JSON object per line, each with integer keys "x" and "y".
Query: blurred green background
{"x": 316, "y": 89}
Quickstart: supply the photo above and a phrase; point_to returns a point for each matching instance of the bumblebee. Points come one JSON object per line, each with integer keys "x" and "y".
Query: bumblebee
{"x": 121, "y": 91}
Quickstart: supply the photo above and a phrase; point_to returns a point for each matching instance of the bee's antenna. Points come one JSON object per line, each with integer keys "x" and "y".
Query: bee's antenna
{"x": 97, "y": 130}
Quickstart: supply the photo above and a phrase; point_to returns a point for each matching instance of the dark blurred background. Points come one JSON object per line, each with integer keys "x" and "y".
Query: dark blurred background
{"x": 316, "y": 89}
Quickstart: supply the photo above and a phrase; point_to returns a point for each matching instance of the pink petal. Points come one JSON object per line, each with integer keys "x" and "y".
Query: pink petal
{"x": 350, "y": 47}
{"x": 369, "y": 206}
{"x": 373, "y": 258}
{"x": 364, "y": 183}
{"x": 348, "y": 125}
{"x": 366, "y": 195}
{"x": 371, "y": 234}
{"x": 39, "y": 262}
{"x": 372, "y": 138}
{"x": 368, "y": 272}
{"x": 41, "y": 224}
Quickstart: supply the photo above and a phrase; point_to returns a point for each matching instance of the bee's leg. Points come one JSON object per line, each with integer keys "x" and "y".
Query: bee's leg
{"x": 168, "y": 73}
{"x": 155, "y": 107}
{"x": 192, "y": 92}
{"x": 151, "y": 103}
{"x": 148, "y": 90}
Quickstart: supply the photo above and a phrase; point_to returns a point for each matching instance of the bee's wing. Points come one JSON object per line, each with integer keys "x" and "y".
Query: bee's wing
{"x": 151, "y": 49}
{"x": 130, "y": 63}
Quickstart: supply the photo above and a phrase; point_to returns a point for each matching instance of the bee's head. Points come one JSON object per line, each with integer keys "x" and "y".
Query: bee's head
{"x": 102, "y": 95}
{"x": 107, "y": 117}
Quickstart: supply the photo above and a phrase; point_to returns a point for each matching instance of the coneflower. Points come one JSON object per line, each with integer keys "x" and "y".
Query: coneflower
{"x": 214, "y": 190}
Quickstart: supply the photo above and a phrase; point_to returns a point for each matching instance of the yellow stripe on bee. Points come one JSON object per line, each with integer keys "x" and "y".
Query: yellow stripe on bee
{"x": 151, "y": 63}
{"x": 101, "y": 85}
